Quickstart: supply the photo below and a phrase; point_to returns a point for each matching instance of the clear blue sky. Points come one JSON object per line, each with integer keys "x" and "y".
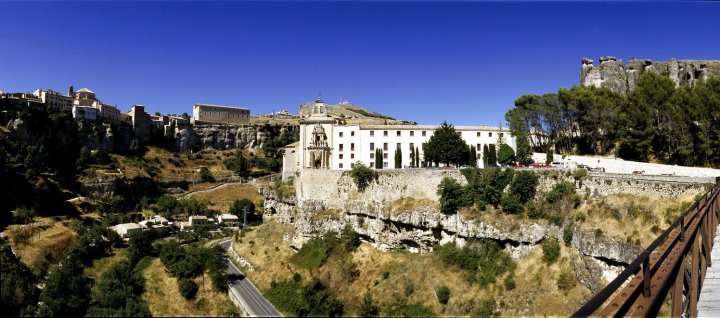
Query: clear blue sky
{"x": 426, "y": 61}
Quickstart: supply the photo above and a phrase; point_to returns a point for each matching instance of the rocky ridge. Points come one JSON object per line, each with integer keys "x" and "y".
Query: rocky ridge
{"x": 620, "y": 77}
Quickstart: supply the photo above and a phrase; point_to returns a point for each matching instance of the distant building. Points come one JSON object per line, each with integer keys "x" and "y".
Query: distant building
{"x": 126, "y": 230}
{"x": 326, "y": 143}
{"x": 216, "y": 114}
{"x": 228, "y": 220}
{"x": 141, "y": 123}
{"x": 54, "y": 100}
{"x": 85, "y": 113}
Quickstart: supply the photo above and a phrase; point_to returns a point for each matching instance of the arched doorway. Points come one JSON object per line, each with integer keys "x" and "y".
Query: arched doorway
{"x": 317, "y": 164}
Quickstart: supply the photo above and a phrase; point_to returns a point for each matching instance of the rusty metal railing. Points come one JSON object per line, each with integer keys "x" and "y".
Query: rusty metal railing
{"x": 674, "y": 263}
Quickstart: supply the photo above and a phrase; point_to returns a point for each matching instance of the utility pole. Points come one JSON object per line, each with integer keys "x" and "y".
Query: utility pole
{"x": 245, "y": 210}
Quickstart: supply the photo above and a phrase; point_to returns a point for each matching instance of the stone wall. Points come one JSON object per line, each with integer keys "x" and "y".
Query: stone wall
{"x": 336, "y": 187}
{"x": 614, "y": 74}
{"x": 220, "y": 137}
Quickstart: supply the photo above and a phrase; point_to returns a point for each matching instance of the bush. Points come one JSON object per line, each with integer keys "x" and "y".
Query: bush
{"x": 452, "y": 196}
{"x": 482, "y": 259}
{"x": 443, "y": 294}
{"x": 312, "y": 254}
{"x": 568, "y": 234}
{"x": 524, "y": 185}
{"x": 509, "y": 282}
{"x": 566, "y": 280}
{"x": 367, "y": 307}
{"x": 551, "y": 250}
{"x": 511, "y": 204}
{"x": 188, "y": 288}
{"x": 24, "y": 215}
{"x": 363, "y": 175}
{"x": 408, "y": 310}
{"x": 206, "y": 175}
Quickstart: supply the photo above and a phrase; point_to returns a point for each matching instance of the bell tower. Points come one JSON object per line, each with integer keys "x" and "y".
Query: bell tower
{"x": 71, "y": 91}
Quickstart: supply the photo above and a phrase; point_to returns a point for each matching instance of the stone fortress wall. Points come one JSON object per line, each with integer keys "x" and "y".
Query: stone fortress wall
{"x": 620, "y": 77}
{"x": 204, "y": 113}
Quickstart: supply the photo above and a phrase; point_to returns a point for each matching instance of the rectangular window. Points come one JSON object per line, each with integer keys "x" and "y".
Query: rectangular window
{"x": 385, "y": 164}
{"x": 501, "y": 134}
{"x": 412, "y": 146}
{"x": 352, "y": 156}
{"x": 385, "y": 155}
{"x": 412, "y": 133}
{"x": 385, "y": 146}
{"x": 372, "y": 146}
{"x": 385, "y": 133}
{"x": 372, "y": 155}
{"x": 424, "y": 133}
{"x": 372, "y": 133}
{"x": 397, "y": 146}
{"x": 341, "y": 134}
{"x": 341, "y": 156}
{"x": 398, "y": 133}
{"x": 341, "y": 147}
{"x": 352, "y": 134}
{"x": 489, "y": 134}
{"x": 341, "y": 165}
{"x": 352, "y": 147}
{"x": 478, "y": 134}
{"x": 478, "y": 147}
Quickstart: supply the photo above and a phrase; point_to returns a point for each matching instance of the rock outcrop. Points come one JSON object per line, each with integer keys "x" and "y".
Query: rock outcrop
{"x": 614, "y": 74}
{"x": 329, "y": 201}
{"x": 221, "y": 137}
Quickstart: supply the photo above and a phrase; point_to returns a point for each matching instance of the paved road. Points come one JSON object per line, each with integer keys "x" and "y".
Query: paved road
{"x": 255, "y": 304}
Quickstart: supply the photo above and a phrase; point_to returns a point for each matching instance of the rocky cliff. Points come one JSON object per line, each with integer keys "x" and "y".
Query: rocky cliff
{"x": 620, "y": 77}
{"x": 386, "y": 216}
{"x": 220, "y": 137}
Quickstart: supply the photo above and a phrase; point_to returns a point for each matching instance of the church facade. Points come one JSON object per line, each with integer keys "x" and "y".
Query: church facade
{"x": 326, "y": 143}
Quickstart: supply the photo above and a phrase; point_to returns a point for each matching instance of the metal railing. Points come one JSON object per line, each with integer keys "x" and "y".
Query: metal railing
{"x": 675, "y": 263}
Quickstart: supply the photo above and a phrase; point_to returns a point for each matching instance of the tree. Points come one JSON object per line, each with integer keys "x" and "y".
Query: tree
{"x": 472, "y": 157}
{"x": 524, "y": 151}
{"x": 362, "y": 175}
{"x": 378, "y": 158}
{"x": 206, "y": 175}
{"x": 443, "y": 294}
{"x": 486, "y": 156}
{"x": 417, "y": 157}
{"x": 238, "y": 164}
{"x": 241, "y": 206}
{"x": 524, "y": 185}
{"x": 398, "y": 158}
{"x": 506, "y": 155}
{"x": 492, "y": 160}
{"x": 452, "y": 196}
{"x": 548, "y": 154}
{"x": 412, "y": 158}
{"x": 367, "y": 307}
{"x": 84, "y": 158}
{"x": 579, "y": 174}
{"x": 446, "y": 146}
{"x": 66, "y": 292}
{"x": 18, "y": 292}
{"x": 188, "y": 288}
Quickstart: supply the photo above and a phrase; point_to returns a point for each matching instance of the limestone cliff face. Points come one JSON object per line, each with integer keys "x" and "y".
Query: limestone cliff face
{"x": 329, "y": 200}
{"x": 220, "y": 137}
{"x": 614, "y": 74}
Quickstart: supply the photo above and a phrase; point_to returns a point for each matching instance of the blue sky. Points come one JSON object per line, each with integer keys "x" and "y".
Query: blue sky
{"x": 462, "y": 62}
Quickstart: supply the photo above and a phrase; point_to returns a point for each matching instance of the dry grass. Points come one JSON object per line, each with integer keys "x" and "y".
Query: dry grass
{"x": 221, "y": 198}
{"x": 52, "y": 235}
{"x": 536, "y": 291}
{"x": 411, "y": 204}
{"x": 333, "y": 214}
{"x": 164, "y": 299}
{"x": 269, "y": 254}
{"x": 636, "y": 219}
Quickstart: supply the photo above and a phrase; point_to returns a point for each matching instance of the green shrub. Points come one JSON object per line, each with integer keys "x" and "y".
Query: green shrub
{"x": 482, "y": 260}
{"x": 566, "y": 280}
{"x": 551, "y": 250}
{"x": 452, "y": 196}
{"x": 509, "y": 282}
{"x": 312, "y": 254}
{"x": 385, "y": 275}
{"x": 443, "y": 294}
{"x": 188, "y": 288}
{"x": 206, "y": 175}
{"x": 511, "y": 204}
{"x": 363, "y": 175}
{"x": 568, "y": 234}
{"x": 524, "y": 185}
{"x": 367, "y": 307}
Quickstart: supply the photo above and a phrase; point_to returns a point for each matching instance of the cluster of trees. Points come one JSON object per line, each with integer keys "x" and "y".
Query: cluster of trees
{"x": 189, "y": 262}
{"x": 482, "y": 260}
{"x": 254, "y": 166}
{"x": 18, "y": 292}
{"x": 446, "y": 146}
{"x": 654, "y": 122}
{"x": 311, "y": 300}
{"x": 487, "y": 187}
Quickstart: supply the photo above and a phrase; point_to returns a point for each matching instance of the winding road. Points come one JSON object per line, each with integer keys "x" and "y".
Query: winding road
{"x": 252, "y": 300}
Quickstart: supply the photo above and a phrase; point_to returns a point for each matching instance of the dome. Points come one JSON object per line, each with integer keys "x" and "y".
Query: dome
{"x": 85, "y": 90}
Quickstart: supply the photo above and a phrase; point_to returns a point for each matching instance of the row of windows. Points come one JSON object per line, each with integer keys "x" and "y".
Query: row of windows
{"x": 398, "y": 133}
{"x": 385, "y": 165}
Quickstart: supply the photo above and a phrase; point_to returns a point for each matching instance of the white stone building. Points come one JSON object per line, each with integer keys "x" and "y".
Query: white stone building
{"x": 85, "y": 113}
{"x": 325, "y": 143}
{"x": 54, "y": 100}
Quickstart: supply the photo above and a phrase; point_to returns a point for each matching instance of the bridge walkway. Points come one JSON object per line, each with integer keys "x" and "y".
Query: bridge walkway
{"x": 709, "y": 302}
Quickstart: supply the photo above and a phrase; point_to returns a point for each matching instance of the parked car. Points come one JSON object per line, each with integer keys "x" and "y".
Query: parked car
{"x": 639, "y": 172}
